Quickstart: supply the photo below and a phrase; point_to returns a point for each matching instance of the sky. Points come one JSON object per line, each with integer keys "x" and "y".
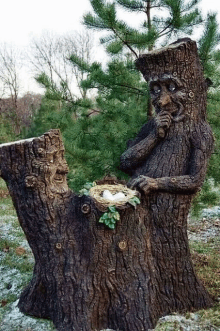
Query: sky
{"x": 22, "y": 20}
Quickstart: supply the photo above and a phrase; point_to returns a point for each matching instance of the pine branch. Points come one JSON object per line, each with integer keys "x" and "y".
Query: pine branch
{"x": 124, "y": 42}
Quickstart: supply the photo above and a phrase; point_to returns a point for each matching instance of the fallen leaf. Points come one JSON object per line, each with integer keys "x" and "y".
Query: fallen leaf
{"x": 4, "y": 303}
{"x": 20, "y": 251}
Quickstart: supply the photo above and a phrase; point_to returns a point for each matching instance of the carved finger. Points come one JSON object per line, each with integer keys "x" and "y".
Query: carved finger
{"x": 165, "y": 122}
{"x": 143, "y": 185}
{"x": 135, "y": 182}
{"x": 132, "y": 184}
{"x": 166, "y": 117}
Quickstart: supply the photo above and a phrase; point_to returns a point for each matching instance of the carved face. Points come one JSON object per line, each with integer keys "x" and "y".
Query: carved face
{"x": 57, "y": 170}
{"x": 168, "y": 93}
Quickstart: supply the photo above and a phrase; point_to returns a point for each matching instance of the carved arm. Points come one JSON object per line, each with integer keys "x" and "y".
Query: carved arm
{"x": 190, "y": 183}
{"x": 135, "y": 155}
{"x": 140, "y": 147}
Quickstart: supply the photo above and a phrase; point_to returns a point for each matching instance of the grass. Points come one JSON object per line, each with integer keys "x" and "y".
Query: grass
{"x": 206, "y": 259}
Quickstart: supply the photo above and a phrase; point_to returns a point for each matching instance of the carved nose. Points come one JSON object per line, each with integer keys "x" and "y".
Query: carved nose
{"x": 164, "y": 100}
{"x": 62, "y": 168}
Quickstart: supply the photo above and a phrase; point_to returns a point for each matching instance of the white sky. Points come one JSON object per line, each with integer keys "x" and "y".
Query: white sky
{"x": 22, "y": 20}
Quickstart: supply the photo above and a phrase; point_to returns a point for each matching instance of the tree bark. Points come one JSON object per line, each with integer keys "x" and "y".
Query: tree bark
{"x": 88, "y": 277}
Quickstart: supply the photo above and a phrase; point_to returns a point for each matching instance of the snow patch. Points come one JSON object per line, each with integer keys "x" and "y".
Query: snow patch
{"x": 14, "y": 319}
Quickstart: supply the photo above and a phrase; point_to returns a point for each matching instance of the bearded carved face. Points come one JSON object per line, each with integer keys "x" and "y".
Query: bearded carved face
{"x": 168, "y": 93}
{"x": 56, "y": 171}
{"x": 49, "y": 171}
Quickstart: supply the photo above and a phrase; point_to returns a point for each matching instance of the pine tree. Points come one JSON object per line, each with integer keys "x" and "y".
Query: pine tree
{"x": 181, "y": 18}
{"x": 96, "y": 134}
{"x": 210, "y": 58}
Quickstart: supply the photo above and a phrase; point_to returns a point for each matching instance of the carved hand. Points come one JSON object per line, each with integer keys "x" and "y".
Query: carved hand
{"x": 144, "y": 183}
{"x": 163, "y": 122}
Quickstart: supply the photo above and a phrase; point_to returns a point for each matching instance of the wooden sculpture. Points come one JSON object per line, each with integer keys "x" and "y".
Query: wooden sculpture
{"x": 87, "y": 276}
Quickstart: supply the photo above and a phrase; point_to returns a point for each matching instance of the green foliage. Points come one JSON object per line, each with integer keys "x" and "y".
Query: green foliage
{"x": 110, "y": 218}
{"x": 134, "y": 201}
{"x": 132, "y": 5}
{"x": 105, "y": 17}
{"x": 178, "y": 17}
{"x": 6, "y": 132}
{"x": 52, "y": 114}
{"x": 94, "y": 144}
{"x": 119, "y": 81}
{"x": 182, "y": 17}
{"x": 53, "y": 91}
{"x": 86, "y": 187}
{"x": 80, "y": 63}
{"x": 214, "y": 120}
{"x": 207, "y": 49}
{"x": 206, "y": 198}
{"x": 95, "y": 130}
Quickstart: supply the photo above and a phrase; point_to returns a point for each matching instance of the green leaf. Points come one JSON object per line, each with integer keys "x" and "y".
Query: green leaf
{"x": 89, "y": 185}
{"x": 137, "y": 200}
{"x": 112, "y": 209}
{"x": 111, "y": 226}
{"x": 84, "y": 191}
{"x": 105, "y": 216}
{"x": 134, "y": 201}
{"x": 112, "y": 220}
{"x": 116, "y": 216}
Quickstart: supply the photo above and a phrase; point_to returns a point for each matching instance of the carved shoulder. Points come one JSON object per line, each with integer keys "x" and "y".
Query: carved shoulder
{"x": 144, "y": 132}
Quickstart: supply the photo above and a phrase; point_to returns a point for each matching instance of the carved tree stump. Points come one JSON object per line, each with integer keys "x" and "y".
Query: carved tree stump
{"x": 86, "y": 276}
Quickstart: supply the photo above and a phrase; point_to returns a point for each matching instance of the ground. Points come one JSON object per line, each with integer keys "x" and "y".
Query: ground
{"x": 16, "y": 264}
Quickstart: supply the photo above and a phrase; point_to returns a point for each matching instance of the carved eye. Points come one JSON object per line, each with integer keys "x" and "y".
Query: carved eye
{"x": 172, "y": 87}
{"x": 156, "y": 89}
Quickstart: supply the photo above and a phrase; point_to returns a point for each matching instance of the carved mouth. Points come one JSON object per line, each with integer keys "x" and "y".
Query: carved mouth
{"x": 175, "y": 109}
{"x": 59, "y": 178}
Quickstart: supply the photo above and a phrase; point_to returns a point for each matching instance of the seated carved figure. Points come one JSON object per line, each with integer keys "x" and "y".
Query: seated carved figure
{"x": 167, "y": 162}
{"x": 171, "y": 151}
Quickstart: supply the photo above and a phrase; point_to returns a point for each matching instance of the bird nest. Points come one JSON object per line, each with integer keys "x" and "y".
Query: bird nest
{"x": 96, "y": 192}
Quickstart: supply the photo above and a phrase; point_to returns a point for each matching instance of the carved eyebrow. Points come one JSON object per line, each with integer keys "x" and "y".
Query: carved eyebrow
{"x": 166, "y": 78}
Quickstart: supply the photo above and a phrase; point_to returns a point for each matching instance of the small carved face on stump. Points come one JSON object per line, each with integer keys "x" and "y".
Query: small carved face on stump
{"x": 51, "y": 169}
{"x": 56, "y": 171}
{"x": 168, "y": 94}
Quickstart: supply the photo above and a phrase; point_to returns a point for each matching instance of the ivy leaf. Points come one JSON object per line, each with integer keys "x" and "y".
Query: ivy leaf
{"x": 112, "y": 226}
{"x": 107, "y": 222}
{"x": 86, "y": 187}
{"x": 112, "y": 209}
{"x": 109, "y": 218}
{"x": 116, "y": 216}
{"x": 84, "y": 191}
{"x": 134, "y": 201}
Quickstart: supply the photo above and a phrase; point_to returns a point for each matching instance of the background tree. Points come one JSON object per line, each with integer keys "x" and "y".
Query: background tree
{"x": 18, "y": 120}
{"x": 49, "y": 58}
{"x": 95, "y": 143}
{"x": 10, "y": 65}
{"x": 210, "y": 57}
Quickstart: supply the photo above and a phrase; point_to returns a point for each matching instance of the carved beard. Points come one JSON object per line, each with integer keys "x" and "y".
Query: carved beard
{"x": 56, "y": 181}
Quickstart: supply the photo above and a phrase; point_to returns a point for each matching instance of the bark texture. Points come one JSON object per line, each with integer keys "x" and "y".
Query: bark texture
{"x": 167, "y": 162}
{"x": 88, "y": 277}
